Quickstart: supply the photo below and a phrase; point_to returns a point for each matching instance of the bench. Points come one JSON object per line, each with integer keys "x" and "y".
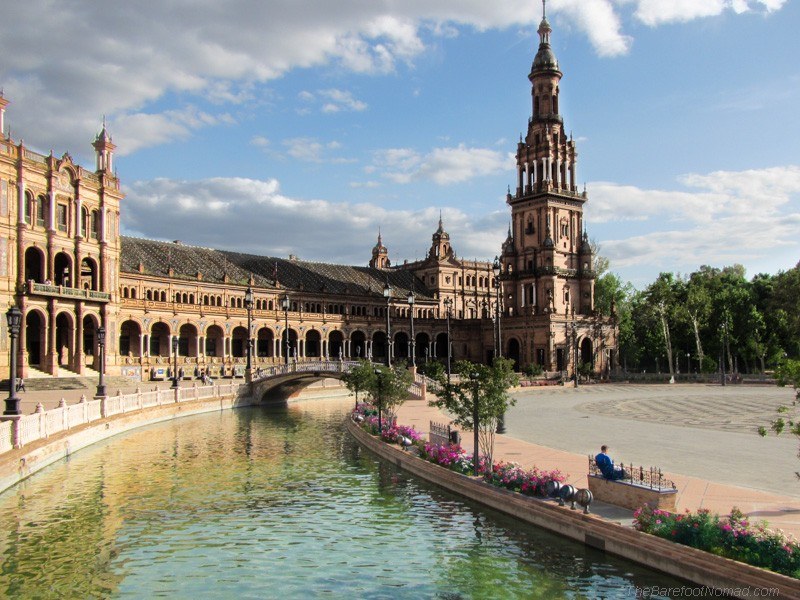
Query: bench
{"x": 642, "y": 486}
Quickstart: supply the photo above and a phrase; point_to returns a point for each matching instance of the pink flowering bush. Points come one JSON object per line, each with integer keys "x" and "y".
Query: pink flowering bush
{"x": 395, "y": 432}
{"x": 732, "y": 537}
{"x": 513, "y": 477}
{"x": 451, "y": 456}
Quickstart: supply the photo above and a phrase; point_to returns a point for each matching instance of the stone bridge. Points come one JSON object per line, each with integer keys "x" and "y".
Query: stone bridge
{"x": 278, "y": 383}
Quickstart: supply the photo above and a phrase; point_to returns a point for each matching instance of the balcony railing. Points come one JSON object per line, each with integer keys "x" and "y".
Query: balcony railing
{"x": 61, "y": 291}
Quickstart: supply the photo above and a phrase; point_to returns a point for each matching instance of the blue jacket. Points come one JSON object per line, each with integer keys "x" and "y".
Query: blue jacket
{"x": 605, "y": 464}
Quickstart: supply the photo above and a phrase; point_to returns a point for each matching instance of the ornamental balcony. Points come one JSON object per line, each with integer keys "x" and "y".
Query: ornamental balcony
{"x": 61, "y": 291}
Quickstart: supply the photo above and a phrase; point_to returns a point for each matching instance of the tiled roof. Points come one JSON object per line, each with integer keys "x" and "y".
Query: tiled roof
{"x": 187, "y": 261}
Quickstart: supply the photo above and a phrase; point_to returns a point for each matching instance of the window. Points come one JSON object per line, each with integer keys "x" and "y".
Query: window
{"x": 94, "y": 227}
{"x": 84, "y": 220}
{"x": 40, "y": 211}
{"x": 28, "y": 203}
{"x": 61, "y": 217}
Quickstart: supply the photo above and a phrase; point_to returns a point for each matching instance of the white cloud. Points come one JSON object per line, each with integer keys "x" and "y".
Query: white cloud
{"x": 725, "y": 217}
{"x": 442, "y": 165}
{"x": 254, "y": 216}
{"x": 124, "y": 62}
{"x": 314, "y": 151}
{"x": 657, "y": 12}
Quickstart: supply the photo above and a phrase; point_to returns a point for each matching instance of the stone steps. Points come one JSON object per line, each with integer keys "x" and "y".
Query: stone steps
{"x": 46, "y": 384}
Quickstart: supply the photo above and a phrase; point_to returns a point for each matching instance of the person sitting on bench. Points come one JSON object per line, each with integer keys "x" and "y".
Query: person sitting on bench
{"x": 606, "y": 465}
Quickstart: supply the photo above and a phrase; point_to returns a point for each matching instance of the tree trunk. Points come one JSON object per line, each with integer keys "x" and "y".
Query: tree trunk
{"x": 667, "y": 343}
{"x": 698, "y": 344}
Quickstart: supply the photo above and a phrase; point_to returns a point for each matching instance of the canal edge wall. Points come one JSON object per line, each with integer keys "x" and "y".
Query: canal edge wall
{"x": 680, "y": 561}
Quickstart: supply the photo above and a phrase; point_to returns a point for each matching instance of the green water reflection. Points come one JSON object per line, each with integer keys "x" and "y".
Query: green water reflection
{"x": 265, "y": 504}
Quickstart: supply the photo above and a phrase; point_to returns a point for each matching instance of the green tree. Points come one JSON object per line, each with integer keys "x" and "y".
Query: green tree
{"x": 478, "y": 390}
{"x": 390, "y": 385}
{"x": 787, "y": 373}
{"x": 360, "y": 378}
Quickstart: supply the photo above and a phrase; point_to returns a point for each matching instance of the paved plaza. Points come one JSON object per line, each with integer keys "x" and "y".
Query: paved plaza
{"x": 703, "y": 436}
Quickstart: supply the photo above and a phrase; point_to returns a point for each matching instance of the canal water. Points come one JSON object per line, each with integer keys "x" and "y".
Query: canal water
{"x": 275, "y": 503}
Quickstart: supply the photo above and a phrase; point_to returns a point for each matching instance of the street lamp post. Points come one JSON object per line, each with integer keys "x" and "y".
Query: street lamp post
{"x": 575, "y": 353}
{"x": 248, "y": 304}
{"x": 14, "y": 319}
{"x": 688, "y": 364}
{"x": 496, "y": 270}
{"x": 101, "y": 345}
{"x": 475, "y": 436}
{"x": 387, "y": 293}
{"x": 175, "y": 369}
{"x": 413, "y": 339}
{"x": 285, "y": 306}
{"x": 448, "y": 305}
{"x": 379, "y": 377}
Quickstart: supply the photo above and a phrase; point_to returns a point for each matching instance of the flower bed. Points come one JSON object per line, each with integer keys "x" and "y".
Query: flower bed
{"x": 732, "y": 537}
{"x": 452, "y": 456}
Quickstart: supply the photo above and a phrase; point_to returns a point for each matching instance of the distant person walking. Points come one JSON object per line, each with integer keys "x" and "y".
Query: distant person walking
{"x": 21, "y": 385}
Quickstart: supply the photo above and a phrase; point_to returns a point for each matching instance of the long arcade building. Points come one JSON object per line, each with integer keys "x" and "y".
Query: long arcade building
{"x": 64, "y": 264}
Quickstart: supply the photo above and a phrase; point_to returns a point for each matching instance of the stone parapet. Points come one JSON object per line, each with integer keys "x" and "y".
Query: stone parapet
{"x": 631, "y": 496}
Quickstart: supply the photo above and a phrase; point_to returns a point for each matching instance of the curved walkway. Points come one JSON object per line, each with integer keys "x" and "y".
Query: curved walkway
{"x": 694, "y": 432}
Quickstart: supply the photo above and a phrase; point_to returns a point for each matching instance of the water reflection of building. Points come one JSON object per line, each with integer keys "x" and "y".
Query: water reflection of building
{"x": 64, "y": 264}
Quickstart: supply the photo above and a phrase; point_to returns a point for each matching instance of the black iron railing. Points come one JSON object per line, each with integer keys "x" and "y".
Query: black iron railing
{"x": 650, "y": 477}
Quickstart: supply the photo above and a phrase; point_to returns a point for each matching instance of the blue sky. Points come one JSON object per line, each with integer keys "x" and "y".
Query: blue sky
{"x": 302, "y": 127}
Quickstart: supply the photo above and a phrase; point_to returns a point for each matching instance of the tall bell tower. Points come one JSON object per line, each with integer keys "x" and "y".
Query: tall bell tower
{"x": 544, "y": 266}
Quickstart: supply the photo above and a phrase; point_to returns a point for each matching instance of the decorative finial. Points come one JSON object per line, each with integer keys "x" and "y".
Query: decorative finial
{"x": 544, "y": 9}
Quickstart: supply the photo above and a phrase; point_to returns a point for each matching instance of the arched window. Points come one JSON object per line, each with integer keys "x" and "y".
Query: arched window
{"x": 94, "y": 227}
{"x": 40, "y": 204}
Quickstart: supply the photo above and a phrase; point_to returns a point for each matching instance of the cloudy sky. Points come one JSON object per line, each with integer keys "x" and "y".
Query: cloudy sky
{"x": 302, "y": 126}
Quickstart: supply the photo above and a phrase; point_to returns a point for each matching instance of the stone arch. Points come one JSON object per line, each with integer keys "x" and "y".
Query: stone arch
{"x": 335, "y": 344}
{"x": 90, "y": 348}
{"x": 34, "y": 265}
{"x": 239, "y": 342}
{"x": 402, "y": 345}
{"x": 160, "y": 342}
{"x": 358, "y": 344}
{"x": 265, "y": 342}
{"x": 35, "y": 337}
{"x": 187, "y": 340}
{"x": 62, "y": 269}
{"x": 88, "y": 274}
{"x": 215, "y": 341}
{"x": 313, "y": 344}
{"x": 65, "y": 339}
{"x": 130, "y": 339}
{"x": 423, "y": 346}
{"x": 379, "y": 345}
{"x": 587, "y": 353}
{"x": 513, "y": 352}
{"x": 440, "y": 346}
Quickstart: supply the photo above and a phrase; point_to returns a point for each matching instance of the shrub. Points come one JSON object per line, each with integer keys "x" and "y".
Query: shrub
{"x": 732, "y": 537}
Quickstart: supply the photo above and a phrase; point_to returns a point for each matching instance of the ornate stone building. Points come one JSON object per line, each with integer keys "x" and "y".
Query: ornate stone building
{"x": 64, "y": 264}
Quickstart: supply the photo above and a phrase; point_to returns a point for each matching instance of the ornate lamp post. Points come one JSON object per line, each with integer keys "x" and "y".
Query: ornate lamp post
{"x": 248, "y": 304}
{"x": 387, "y": 293}
{"x": 448, "y": 305}
{"x": 413, "y": 339}
{"x": 496, "y": 270}
{"x": 14, "y": 319}
{"x": 379, "y": 377}
{"x": 175, "y": 368}
{"x": 285, "y": 306}
{"x": 498, "y": 351}
{"x": 475, "y": 436}
{"x": 101, "y": 345}
{"x": 575, "y": 353}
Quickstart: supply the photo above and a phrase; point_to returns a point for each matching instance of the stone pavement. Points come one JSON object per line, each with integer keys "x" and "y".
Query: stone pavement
{"x": 702, "y": 436}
